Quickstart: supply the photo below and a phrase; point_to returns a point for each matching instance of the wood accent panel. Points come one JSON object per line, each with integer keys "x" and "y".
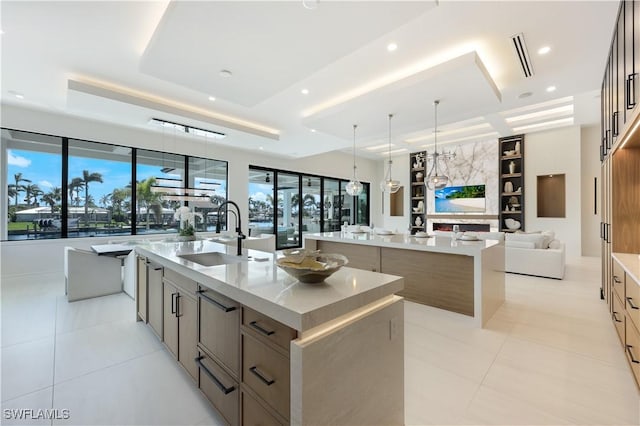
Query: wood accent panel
{"x": 436, "y": 279}
{"x": 360, "y": 256}
{"x": 396, "y": 203}
{"x": 626, "y": 200}
{"x": 551, "y": 196}
{"x": 219, "y": 331}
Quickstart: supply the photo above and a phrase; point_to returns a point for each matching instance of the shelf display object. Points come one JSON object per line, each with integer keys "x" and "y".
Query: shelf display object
{"x": 511, "y": 183}
{"x": 418, "y": 219}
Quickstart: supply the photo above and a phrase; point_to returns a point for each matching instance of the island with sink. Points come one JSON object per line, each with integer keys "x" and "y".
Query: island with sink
{"x": 466, "y": 277}
{"x": 265, "y": 348}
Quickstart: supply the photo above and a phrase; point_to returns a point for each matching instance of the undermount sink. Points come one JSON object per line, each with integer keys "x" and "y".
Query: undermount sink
{"x": 212, "y": 258}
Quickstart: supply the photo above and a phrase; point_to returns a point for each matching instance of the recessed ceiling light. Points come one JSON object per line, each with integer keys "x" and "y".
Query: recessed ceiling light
{"x": 305, "y": 91}
{"x": 525, "y": 95}
{"x": 551, "y": 89}
{"x": 16, "y": 94}
{"x": 544, "y": 50}
{"x": 212, "y": 98}
{"x": 391, "y": 47}
{"x": 225, "y": 73}
{"x": 261, "y": 148}
{"x": 313, "y": 130}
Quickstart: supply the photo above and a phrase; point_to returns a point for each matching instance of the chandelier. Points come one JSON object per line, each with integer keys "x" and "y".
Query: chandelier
{"x": 389, "y": 185}
{"x": 354, "y": 187}
{"x": 434, "y": 179}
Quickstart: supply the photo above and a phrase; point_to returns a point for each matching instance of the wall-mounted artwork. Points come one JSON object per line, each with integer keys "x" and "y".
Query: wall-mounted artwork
{"x": 461, "y": 199}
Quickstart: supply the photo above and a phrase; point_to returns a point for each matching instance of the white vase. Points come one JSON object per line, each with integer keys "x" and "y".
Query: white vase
{"x": 517, "y": 148}
{"x": 419, "y": 177}
{"x": 508, "y": 186}
{"x": 418, "y": 221}
{"x": 512, "y": 167}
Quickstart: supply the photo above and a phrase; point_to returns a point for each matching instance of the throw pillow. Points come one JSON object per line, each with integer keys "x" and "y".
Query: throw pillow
{"x": 548, "y": 237}
{"x": 520, "y": 244}
{"x": 536, "y": 239}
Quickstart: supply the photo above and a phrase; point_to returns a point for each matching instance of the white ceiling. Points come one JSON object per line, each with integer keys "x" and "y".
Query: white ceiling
{"x": 127, "y": 62}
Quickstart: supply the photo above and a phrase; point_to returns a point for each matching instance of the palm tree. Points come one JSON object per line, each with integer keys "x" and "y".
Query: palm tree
{"x": 147, "y": 197}
{"x": 74, "y": 187}
{"x": 105, "y": 200}
{"x": 86, "y": 178}
{"x": 53, "y": 197}
{"x": 32, "y": 191}
{"x": 18, "y": 187}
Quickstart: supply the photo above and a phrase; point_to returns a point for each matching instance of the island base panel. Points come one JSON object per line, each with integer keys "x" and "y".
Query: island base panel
{"x": 440, "y": 280}
{"x": 354, "y": 374}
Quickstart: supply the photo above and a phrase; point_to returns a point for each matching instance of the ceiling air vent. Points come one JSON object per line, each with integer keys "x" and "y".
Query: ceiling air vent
{"x": 523, "y": 54}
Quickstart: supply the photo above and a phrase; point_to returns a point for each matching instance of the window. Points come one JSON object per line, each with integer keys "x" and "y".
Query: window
{"x": 304, "y": 204}
{"x": 34, "y": 185}
{"x": 96, "y": 172}
{"x": 209, "y": 176}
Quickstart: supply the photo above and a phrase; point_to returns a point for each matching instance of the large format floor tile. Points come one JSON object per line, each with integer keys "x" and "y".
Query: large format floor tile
{"x": 149, "y": 390}
{"x": 90, "y": 349}
{"x": 27, "y": 367}
{"x": 96, "y": 311}
{"x": 33, "y": 409}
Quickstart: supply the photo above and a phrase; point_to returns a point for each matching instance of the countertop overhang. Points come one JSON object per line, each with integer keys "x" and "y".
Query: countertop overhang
{"x": 258, "y": 283}
{"x": 435, "y": 244}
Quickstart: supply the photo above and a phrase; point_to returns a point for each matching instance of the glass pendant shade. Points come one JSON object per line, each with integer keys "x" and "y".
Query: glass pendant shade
{"x": 354, "y": 187}
{"x": 435, "y": 180}
{"x": 389, "y": 185}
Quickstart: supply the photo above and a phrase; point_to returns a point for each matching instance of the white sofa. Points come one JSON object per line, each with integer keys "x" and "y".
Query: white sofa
{"x": 535, "y": 253}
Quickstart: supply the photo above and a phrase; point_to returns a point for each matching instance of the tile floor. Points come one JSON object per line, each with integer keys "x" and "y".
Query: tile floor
{"x": 550, "y": 356}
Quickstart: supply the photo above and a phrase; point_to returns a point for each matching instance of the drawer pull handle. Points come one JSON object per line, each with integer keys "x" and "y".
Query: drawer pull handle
{"x": 629, "y": 301}
{"x": 259, "y": 375}
{"x": 616, "y": 280}
{"x": 215, "y": 302}
{"x": 631, "y": 355}
{"x": 174, "y": 299}
{"x": 159, "y": 268}
{"x": 225, "y": 390}
{"x": 264, "y": 331}
{"x": 615, "y": 317}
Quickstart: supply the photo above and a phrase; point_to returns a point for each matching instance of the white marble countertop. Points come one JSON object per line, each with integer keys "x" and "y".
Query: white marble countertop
{"x": 630, "y": 263}
{"x": 433, "y": 244}
{"x": 258, "y": 283}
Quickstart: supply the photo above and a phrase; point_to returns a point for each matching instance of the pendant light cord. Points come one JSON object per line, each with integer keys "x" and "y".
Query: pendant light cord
{"x": 354, "y": 151}
{"x": 389, "y": 149}
{"x": 435, "y": 136}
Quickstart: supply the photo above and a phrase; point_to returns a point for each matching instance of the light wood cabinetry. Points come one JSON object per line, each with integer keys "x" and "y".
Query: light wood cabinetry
{"x": 219, "y": 387}
{"x": 141, "y": 288}
{"x": 619, "y": 318}
{"x": 511, "y": 181}
{"x": 625, "y": 313}
{"x": 418, "y": 173}
{"x": 360, "y": 257}
{"x": 180, "y": 320}
{"x": 632, "y": 349}
{"x": 254, "y": 413}
{"x": 155, "y": 298}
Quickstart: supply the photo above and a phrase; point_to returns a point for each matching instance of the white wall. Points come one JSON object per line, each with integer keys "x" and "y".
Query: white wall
{"x": 334, "y": 164}
{"x": 590, "y": 169}
{"x": 555, "y": 152}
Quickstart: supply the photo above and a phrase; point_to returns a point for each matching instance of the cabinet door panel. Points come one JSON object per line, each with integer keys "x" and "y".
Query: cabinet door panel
{"x": 141, "y": 293}
{"x": 618, "y": 317}
{"x": 621, "y": 110}
{"x": 636, "y": 44}
{"x": 187, "y": 311}
{"x": 170, "y": 321}
{"x": 154, "y": 313}
{"x": 220, "y": 328}
{"x": 219, "y": 388}
{"x": 632, "y": 296}
{"x": 629, "y": 42}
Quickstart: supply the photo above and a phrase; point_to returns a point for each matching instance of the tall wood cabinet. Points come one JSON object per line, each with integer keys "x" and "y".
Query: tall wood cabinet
{"x": 511, "y": 182}
{"x": 620, "y": 177}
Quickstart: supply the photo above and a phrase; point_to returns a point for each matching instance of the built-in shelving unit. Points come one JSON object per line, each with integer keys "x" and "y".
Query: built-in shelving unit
{"x": 418, "y": 218}
{"x": 511, "y": 182}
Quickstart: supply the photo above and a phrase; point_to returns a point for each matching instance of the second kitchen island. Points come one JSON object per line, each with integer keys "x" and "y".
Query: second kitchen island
{"x": 466, "y": 277}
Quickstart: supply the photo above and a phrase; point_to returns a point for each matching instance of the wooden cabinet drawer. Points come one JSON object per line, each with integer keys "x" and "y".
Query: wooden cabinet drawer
{"x": 632, "y": 300}
{"x": 181, "y": 281}
{"x": 266, "y": 372}
{"x": 219, "y": 388}
{"x": 254, "y": 414}
{"x": 632, "y": 347}
{"x": 618, "y": 317}
{"x": 270, "y": 329}
{"x": 618, "y": 281}
{"x": 219, "y": 328}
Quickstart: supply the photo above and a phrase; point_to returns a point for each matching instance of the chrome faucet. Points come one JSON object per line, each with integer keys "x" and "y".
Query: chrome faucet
{"x": 241, "y": 236}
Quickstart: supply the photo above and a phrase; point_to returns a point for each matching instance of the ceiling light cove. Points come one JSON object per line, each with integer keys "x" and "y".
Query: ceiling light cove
{"x": 425, "y": 64}
{"x": 147, "y": 100}
{"x": 378, "y": 147}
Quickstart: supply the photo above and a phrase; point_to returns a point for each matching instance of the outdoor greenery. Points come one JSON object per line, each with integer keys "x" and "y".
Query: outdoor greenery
{"x": 470, "y": 191}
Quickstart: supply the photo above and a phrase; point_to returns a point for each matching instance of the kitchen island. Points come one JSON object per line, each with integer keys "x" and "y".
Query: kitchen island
{"x": 264, "y": 347}
{"x": 466, "y": 277}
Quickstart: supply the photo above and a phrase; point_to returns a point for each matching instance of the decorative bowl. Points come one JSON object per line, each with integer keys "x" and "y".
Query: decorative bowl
{"x": 311, "y": 267}
{"x": 510, "y": 152}
{"x": 417, "y": 209}
{"x": 512, "y": 223}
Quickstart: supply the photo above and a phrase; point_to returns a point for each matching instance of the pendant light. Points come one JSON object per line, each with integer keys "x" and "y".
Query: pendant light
{"x": 389, "y": 185}
{"x": 435, "y": 180}
{"x": 354, "y": 187}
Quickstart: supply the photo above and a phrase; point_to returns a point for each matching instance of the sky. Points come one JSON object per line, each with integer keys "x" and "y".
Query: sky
{"x": 44, "y": 169}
